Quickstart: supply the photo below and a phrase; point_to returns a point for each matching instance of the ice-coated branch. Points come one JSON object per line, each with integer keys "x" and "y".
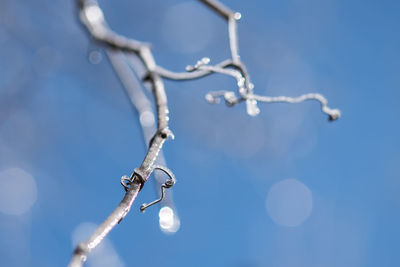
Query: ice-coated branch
{"x": 121, "y": 50}
{"x": 332, "y": 113}
{"x": 231, "y": 99}
{"x": 92, "y": 17}
{"x": 178, "y": 76}
{"x": 231, "y": 16}
{"x": 133, "y": 87}
{"x": 84, "y": 248}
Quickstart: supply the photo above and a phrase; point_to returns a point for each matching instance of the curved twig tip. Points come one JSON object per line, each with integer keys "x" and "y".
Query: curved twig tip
{"x": 168, "y": 184}
{"x": 334, "y": 114}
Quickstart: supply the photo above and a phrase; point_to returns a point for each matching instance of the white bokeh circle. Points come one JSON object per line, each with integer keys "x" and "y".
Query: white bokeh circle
{"x": 289, "y": 202}
{"x": 18, "y": 191}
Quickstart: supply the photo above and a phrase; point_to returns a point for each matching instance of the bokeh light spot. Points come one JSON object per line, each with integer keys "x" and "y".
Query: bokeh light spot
{"x": 18, "y": 191}
{"x": 147, "y": 118}
{"x": 289, "y": 202}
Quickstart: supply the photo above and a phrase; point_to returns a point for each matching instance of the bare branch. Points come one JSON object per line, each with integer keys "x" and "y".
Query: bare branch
{"x": 92, "y": 17}
{"x": 232, "y": 18}
{"x": 220, "y": 8}
{"x": 231, "y": 99}
{"x": 333, "y": 113}
{"x": 142, "y": 105}
{"x": 178, "y": 76}
{"x": 83, "y": 249}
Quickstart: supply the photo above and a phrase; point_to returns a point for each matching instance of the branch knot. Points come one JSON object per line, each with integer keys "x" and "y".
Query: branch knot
{"x": 137, "y": 176}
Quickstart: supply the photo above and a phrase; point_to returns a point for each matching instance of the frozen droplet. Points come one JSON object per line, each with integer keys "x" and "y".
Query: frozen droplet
{"x": 230, "y": 98}
{"x": 94, "y": 14}
{"x": 205, "y": 60}
{"x": 189, "y": 68}
{"x": 237, "y": 16}
{"x": 199, "y": 63}
{"x": 169, "y": 222}
{"x": 242, "y": 90}
{"x": 252, "y": 108}
{"x": 212, "y": 99}
{"x": 241, "y": 82}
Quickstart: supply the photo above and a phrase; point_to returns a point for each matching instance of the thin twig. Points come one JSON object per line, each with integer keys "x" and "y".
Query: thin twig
{"x": 179, "y": 76}
{"x": 332, "y": 113}
{"x": 231, "y": 99}
{"x": 218, "y": 7}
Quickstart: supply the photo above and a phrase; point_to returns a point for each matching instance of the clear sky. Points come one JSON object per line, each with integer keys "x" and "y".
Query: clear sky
{"x": 286, "y": 188}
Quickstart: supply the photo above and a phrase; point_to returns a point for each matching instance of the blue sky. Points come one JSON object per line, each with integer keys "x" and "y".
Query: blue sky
{"x": 285, "y": 188}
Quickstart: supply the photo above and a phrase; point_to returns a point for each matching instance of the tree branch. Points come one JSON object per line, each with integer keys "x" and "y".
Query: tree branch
{"x": 143, "y": 107}
{"x": 91, "y": 16}
{"x": 179, "y": 76}
{"x": 84, "y": 248}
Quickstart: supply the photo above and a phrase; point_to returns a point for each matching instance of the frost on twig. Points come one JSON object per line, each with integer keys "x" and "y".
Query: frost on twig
{"x": 231, "y": 99}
